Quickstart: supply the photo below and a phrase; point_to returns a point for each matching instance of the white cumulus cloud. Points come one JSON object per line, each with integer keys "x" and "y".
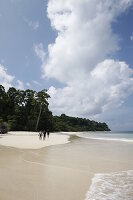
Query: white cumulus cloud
{"x": 8, "y": 80}
{"x": 79, "y": 58}
{"x": 108, "y": 84}
{"x": 5, "y": 78}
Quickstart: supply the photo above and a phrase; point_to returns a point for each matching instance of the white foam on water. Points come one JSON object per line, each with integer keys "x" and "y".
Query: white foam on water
{"x": 105, "y": 138}
{"x": 111, "y": 139}
{"x": 111, "y": 186}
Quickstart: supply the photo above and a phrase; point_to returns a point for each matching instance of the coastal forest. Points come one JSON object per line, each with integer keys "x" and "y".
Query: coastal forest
{"x": 28, "y": 110}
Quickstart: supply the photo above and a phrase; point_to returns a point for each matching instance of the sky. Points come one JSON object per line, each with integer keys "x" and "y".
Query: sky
{"x": 79, "y": 50}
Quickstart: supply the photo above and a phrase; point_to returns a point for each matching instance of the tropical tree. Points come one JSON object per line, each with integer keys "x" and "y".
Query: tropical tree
{"x": 42, "y": 102}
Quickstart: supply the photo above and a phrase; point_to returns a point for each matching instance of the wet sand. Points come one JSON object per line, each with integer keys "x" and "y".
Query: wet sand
{"x": 60, "y": 172}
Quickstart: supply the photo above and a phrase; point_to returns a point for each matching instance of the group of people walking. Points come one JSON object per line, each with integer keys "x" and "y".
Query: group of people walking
{"x": 43, "y": 134}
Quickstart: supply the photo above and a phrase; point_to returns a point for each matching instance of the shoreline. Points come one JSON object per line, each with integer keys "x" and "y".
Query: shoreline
{"x": 92, "y": 137}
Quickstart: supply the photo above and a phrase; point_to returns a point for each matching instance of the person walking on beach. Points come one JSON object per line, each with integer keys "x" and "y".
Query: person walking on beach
{"x": 40, "y": 135}
{"x": 48, "y": 133}
{"x": 44, "y": 135}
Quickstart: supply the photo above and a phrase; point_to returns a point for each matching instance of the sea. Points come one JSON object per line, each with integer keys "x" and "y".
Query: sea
{"x": 114, "y": 185}
{"x": 126, "y": 136}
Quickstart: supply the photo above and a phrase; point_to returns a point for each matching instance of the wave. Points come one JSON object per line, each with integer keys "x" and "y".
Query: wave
{"x": 111, "y": 139}
{"x": 104, "y": 138}
{"x": 111, "y": 186}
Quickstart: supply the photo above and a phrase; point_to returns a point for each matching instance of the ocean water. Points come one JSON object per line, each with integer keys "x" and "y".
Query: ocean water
{"x": 111, "y": 136}
{"x": 114, "y": 185}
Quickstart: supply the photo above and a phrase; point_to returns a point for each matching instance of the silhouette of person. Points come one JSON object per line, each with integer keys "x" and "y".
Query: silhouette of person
{"x": 44, "y": 135}
{"x": 40, "y": 135}
{"x": 48, "y": 133}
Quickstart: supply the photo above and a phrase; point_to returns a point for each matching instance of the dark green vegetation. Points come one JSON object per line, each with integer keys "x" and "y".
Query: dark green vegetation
{"x": 67, "y": 123}
{"x": 25, "y": 110}
{"x": 3, "y": 127}
{"x": 28, "y": 111}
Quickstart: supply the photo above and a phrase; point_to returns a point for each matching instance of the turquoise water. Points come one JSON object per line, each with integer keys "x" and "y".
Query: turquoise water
{"x": 112, "y": 136}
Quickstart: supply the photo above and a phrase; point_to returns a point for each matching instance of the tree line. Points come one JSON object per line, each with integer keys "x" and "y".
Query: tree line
{"x": 27, "y": 110}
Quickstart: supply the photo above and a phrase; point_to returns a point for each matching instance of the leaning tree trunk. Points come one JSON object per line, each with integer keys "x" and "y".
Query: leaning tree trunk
{"x": 38, "y": 119}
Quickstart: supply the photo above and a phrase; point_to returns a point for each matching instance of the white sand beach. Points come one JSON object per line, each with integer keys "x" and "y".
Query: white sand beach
{"x": 30, "y": 140}
{"x": 62, "y": 172}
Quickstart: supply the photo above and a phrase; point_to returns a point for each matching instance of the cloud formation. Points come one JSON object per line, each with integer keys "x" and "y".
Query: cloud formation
{"x": 33, "y": 24}
{"x": 5, "y": 78}
{"x": 80, "y": 57}
{"x": 36, "y": 82}
{"x": 28, "y": 84}
{"x": 20, "y": 85}
{"x": 8, "y": 80}
{"x": 39, "y": 50}
{"x": 131, "y": 37}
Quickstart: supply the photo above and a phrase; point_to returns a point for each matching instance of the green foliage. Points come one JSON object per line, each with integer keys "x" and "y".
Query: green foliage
{"x": 28, "y": 110}
{"x": 12, "y": 124}
{"x": 21, "y": 109}
{"x": 66, "y": 123}
{"x": 3, "y": 127}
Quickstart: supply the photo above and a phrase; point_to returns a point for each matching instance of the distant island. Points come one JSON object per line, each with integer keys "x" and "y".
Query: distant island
{"x": 27, "y": 110}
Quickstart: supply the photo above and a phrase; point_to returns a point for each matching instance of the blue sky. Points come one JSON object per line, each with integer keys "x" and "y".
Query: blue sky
{"x": 17, "y": 38}
{"x": 124, "y": 28}
{"x": 71, "y": 53}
